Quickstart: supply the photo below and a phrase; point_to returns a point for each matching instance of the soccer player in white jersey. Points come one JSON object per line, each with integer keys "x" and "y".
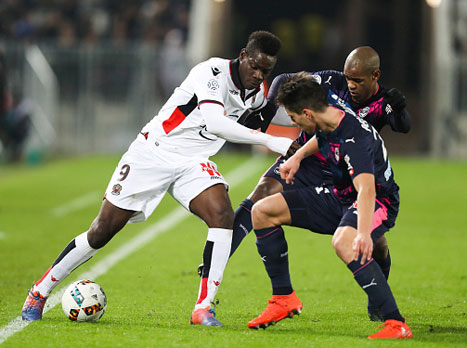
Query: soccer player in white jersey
{"x": 171, "y": 154}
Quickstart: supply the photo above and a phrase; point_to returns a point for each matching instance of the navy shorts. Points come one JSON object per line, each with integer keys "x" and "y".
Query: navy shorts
{"x": 312, "y": 172}
{"x": 319, "y": 210}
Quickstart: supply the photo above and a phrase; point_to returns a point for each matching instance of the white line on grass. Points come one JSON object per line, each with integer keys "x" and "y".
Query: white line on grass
{"x": 76, "y": 204}
{"x": 233, "y": 178}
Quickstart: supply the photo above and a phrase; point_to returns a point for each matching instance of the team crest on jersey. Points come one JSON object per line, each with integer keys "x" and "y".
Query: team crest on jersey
{"x": 336, "y": 153}
{"x": 116, "y": 189}
{"x": 213, "y": 84}
{"x": 364, "y": 112}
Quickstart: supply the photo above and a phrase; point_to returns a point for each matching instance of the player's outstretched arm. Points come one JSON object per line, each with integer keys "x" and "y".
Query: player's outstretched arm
{"x": 364, "y": 183}
{"x": 221, "y": 126}
{"x": 399, "y": 119}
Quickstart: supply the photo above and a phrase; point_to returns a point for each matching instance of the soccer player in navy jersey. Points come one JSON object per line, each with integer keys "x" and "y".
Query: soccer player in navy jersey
{"x": 360, "y": 206}
{"x": 358, "y": 86}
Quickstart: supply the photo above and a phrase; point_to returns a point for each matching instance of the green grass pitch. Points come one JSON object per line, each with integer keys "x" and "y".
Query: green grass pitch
{"x": 151, "y": 292}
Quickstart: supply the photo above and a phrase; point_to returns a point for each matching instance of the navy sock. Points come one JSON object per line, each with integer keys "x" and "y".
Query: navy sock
{"x": 385, "y": 265}
{"x": 242, "y": 224}
{"x": 273, "y": 250}
{"x": 371, "y": 279}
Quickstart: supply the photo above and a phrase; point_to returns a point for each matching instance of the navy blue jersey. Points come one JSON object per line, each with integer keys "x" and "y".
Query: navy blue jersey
{"x": 355, "y": 147}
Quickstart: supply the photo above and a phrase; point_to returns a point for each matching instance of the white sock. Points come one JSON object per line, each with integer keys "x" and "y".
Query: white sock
{"x": 222, "y": 239}
{"x": 76, "y": 253}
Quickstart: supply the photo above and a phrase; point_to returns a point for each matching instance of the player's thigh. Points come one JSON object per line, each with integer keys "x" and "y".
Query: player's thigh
{"x": 139, "y": 182}
{"x": 201, "y": 189}
{"x": 213, "y": 206}
{"x": 314, "y": 208}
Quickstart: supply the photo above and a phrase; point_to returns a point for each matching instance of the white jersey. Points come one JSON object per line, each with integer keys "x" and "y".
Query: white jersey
{"x": 180, "y": 126}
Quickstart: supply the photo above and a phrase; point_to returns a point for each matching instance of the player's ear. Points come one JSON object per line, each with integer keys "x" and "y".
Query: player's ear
{"x": 242, "y": 53}
{"x": 376, "y": 74}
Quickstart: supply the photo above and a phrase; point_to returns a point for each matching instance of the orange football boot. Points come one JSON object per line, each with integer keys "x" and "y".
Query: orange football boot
{"x": 393, "y": 329}
{"x": 278, "y": 308}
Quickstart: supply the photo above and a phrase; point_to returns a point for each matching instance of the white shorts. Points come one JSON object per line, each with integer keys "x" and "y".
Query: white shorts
{"x": 146, "y": 172}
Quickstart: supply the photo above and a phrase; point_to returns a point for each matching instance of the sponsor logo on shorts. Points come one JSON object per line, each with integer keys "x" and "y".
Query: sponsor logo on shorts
{"x": 116, "y": 189}
{"x": 211, "y": 170}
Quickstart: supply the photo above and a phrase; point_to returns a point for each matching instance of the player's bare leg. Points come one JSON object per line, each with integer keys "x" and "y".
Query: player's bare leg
{"x": 214, "y": 208}
{"x": 108, "y": 222}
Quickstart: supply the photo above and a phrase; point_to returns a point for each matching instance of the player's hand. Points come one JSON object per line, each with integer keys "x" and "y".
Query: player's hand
{"x": 396, "y": 99}
{"x": 289, "y": 168}
{"x": 362, "y": 244}
{"x": 292, "y": 149}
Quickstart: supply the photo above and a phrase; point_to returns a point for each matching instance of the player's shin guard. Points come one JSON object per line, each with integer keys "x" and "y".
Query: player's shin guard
{"x": 242, "y": 224}
{"x": 215, "y": 257}
{"x": 273, "y": 250}
{"x": 77, "y": 252}
{"x": 371, "y": 279}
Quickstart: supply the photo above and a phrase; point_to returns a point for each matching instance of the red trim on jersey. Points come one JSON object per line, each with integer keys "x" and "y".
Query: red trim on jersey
{"x": 266, "y": 89}
{"x": 173, "y": 121}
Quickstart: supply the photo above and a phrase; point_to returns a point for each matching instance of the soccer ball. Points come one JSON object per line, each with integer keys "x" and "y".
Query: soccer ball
{"x": 84, "y": 300}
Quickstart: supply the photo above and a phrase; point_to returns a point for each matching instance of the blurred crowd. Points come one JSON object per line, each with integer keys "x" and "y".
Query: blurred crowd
{"x": 70, "y": 22}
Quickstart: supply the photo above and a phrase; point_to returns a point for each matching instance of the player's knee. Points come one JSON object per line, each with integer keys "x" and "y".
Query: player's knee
{"x": 100, "y": 233}
{"x": 338, "y": 243}
{"x": 259, "y": 214}
{"x": 220, "y": 216}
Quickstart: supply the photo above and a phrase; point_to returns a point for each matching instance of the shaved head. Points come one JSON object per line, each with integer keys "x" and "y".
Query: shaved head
{"x": 364, "y": 57}
{"x": 361, "y": 70}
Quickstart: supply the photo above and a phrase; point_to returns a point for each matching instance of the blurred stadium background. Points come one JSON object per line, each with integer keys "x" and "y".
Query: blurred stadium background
{"x": 91, "y": 73}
